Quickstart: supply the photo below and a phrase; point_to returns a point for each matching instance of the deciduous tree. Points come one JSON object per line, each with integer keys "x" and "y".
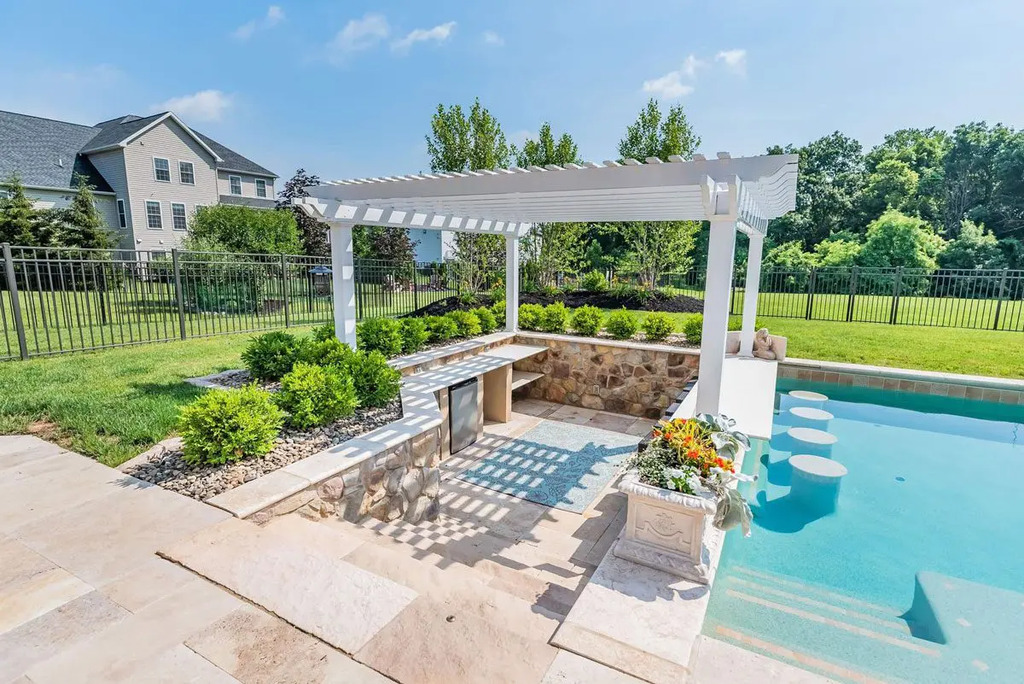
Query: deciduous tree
{"x": 312, "y": 233}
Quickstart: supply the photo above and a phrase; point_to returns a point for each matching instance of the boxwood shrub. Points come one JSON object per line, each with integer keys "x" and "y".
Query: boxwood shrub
{"x": 270, "y": 355}
{"x": 621, "y": 324}
{"x": 529, "y": 316}
{"x": 466, "y": 322}
{"x": 228, "y": 425}
{"x": 441, "y": 329}
{"x": 414, "y": 334}
{"x": 595, "y": 281}
{"x": 488, "y": 323}
{"x": 555, "y": 318}
{"x": 376, "y": 382}
{"x": 657, "y": 326}
{"x": 328, "y": 352}
{"x": 316, "y": 395}
{"x": 693, "y": 328}
{"x": 380, "y": 334}
{"x": 586, "y": 320}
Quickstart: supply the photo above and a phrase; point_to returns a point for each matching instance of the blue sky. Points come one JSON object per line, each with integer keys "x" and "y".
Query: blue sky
{"x": 346, "y": 89}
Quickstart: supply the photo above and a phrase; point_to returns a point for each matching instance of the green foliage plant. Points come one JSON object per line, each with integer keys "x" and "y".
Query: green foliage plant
{"x": 441, "y": 328}
{"x": 270, "y": 355}
{"x": 530, "y": 315}
{"x": 622, "y": 324}
{"x": 488, "y": 322}
{"x": 228, "y": 425}
{"x": 467, "y": 322}
{"x": 376, "y": 383}
{"x": 380, "y": 334}
{"x": 555, "y": 318}
{"x": 586, "y": 320}
{"x": 693, "y": 328}
{"x": 328, "y": 352}
{"x": 316, "y": 395}
{"x": 323, "y": 332}
{"x": 657, "y": 326}
{"x": 414, "y": 335}
{"x": 594, "y": 281}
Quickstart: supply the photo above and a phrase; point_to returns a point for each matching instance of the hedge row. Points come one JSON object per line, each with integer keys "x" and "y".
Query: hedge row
{"x": 588, "y": 320}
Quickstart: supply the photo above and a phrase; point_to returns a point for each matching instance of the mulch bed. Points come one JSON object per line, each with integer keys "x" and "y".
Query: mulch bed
{"x": 165, "y": 466}
{"x": 657, "y": 301}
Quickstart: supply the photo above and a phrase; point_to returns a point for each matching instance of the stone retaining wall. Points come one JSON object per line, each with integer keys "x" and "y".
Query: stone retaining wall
{"x": 621, "y": 377}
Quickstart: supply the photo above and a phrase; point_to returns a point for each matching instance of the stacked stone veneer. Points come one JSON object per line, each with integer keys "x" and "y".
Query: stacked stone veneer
{"x": 621, "y": 377}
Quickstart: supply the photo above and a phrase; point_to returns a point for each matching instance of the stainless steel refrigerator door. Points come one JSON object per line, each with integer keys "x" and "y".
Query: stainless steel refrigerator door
{"x": 464, "y": 412}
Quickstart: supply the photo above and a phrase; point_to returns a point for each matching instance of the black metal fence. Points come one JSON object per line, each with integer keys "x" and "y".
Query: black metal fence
{"x": 58, "y": 300}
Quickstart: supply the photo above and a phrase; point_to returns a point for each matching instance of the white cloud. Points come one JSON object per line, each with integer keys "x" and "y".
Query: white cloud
{"x": 439, "y": 33}
{"x": 734, "y": 60}
{"x": 273, "y": 17}
{"x": 358, "y": 34}
{"x": 205, "y": 105}
{"x": 691, "y": 64}
{"x": 668, "y": 87}
{"x": 492, "y": 38}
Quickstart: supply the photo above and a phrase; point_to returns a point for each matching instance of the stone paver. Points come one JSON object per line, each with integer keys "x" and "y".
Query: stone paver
{"x": 293, "y": 568}
{"x": 717, "y": 661}
{"x": 569, "y": 668}
{"x": 428, "y": 645}
{"x": 37, "y": 596}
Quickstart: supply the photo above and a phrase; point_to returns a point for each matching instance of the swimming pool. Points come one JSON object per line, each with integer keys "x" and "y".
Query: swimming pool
{"x": 918, "y": 574}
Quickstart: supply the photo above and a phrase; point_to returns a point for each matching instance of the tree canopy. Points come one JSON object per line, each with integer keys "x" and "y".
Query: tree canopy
{"x": 231, "y": 228}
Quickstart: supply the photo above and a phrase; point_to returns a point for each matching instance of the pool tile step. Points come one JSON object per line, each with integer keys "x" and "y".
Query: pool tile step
{"x": 821, "y": 593}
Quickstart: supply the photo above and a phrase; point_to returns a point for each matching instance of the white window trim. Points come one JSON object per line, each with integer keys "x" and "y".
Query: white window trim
{"x": 192, "y": 164}
{"x": 122, "y": 214}
{"x": 169, "y": 176}
{"x": 184, "y": 211}
{"x": 159, "y": 204}
{"x": 256, "y": 183}
{"x": 240, "y": 189}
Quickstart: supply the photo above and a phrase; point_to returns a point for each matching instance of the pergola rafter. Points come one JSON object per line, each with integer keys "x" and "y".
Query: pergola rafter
{"x": 731, "y": 193}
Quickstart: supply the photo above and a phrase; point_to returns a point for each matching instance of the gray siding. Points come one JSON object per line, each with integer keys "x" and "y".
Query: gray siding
{"x": 170, "y": 141}
{"x": 248, "y": 184}
{"x": 58, "y": 199}
{"x": 111, "y": 167}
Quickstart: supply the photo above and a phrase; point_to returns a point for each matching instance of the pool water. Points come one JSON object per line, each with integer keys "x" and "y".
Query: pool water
{"x": 918, "y": 574}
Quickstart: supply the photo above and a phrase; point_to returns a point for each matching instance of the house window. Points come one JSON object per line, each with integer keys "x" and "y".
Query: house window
{"x": 162, "y": 170}
{"x": 261, "y": 187}
{"x": 178, "y": 220}
{"x": 186, "y": 173}
{"x": 153, "y": 218}
{"x": 236, "y": 184}
{"x": 122, "y": 215}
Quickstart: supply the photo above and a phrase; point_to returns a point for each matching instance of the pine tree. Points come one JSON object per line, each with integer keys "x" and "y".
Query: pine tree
{"x": 83, "y": 226}
{"x": 18, "y": 218}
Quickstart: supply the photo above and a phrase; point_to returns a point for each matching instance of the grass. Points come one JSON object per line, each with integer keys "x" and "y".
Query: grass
{"x": 111, "y": 404}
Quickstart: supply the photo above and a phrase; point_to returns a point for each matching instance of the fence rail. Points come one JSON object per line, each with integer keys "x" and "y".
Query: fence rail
{"x": 54, "y": 301}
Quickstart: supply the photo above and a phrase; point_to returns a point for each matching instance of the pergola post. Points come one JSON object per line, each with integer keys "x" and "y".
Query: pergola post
{"x": 750, "y": 292}
{"x": 721, "y": 251}
{"x": 511, "y": 283}
{"x": 344, "y": 282}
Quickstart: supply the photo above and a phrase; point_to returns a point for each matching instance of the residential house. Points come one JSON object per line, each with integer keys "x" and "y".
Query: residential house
{"x": 150, "y": 173}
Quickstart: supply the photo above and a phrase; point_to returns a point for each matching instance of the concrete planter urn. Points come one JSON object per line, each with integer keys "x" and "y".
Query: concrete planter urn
{"x": 665, "y": 529}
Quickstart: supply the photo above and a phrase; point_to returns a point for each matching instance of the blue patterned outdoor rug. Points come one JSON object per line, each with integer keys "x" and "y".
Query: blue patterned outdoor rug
{"x": 555, "y": 464}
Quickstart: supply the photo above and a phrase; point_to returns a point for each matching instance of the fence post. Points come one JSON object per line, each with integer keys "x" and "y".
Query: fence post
{"x": 284, "y": 291}
{"x": 999, "y": 302}
{"x": 896, "y": 283}
{"x": 810, "y": 292}
{"x": 853, "y": 294}
{"x": 12, "y": 287}
{"x": 179, "y": 296}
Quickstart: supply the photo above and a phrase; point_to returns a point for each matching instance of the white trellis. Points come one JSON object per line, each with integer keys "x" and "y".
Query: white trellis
{"x": 733, "y": 194}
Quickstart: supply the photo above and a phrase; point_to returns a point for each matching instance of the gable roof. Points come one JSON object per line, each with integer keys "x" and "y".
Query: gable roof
{"x": 45, "y": 153}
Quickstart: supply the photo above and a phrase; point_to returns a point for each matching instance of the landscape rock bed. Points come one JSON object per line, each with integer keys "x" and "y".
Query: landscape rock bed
{"x": 164, "y": 464}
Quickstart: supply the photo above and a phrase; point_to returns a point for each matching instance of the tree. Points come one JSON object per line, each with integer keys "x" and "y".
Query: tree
{"x": 458, "y": 143}
{"x": 82, "y": 225}
{"x": 656, "y": 247}
{"x": 389, "y": 243}
{"x": 19, "y": 220}
{"x": 1008, "y": 191}
{"x": 968, "y": 170}
{"x": 837, "y": 252}
{"x": 892, "y": 185}
{"x": 789, "y": 256}
{"x": 895, "y": 239}
{"x": 231, "y": 228}
{"x": 973, "y": 248}
{"x": 545, "y": 150}
{"x": 312, "y": 233}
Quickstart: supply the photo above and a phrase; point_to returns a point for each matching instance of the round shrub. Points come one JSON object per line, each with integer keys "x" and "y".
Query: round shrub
{"x": 228, "y": 425}
{"x": 466, "y": 322}
{"x": 414, "y": 334}
{"x": 529, "y": 316}
{"x": 621, "y": 324}
{"x": 380, "y": 334}
{"x": 594, "y": 281}
{"x": 586, "y": 320}
{"x": 555, "y": 318}
{"x": 498, "y": 309}
{"x": 657, "y": 326}
{"x": 315, "y": 395}
{"x": 488, "y": 323}
{"x": 270, "y": 355}
{"x": 693, "y": 328}
{"x": 323, "y": 332}
{"x": 328, "y": 352}
{"x": 376, "y": 382}
{"x": 441, "y": 329}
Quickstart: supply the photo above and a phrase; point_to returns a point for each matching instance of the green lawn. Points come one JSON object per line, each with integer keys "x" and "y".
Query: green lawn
{"x": 110, "y": 404}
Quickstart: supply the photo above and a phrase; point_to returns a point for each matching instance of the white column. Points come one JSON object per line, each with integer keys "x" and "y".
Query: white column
{"x": 344, "y": 283}
{"x": 750, "y": 290}
{"x": 721, "y": 250}
{"x": 511, "y": 283}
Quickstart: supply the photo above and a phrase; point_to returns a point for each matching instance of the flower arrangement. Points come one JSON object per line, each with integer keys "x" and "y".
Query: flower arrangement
{"x": 696, "y": 456}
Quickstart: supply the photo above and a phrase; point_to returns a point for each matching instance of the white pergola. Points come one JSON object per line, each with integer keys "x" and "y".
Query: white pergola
{"x": 733, "y": 194}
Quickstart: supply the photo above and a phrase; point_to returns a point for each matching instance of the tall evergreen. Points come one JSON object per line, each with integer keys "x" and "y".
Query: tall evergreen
{"x": 83, "y": 226}
{"x": 18, "y": 218}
